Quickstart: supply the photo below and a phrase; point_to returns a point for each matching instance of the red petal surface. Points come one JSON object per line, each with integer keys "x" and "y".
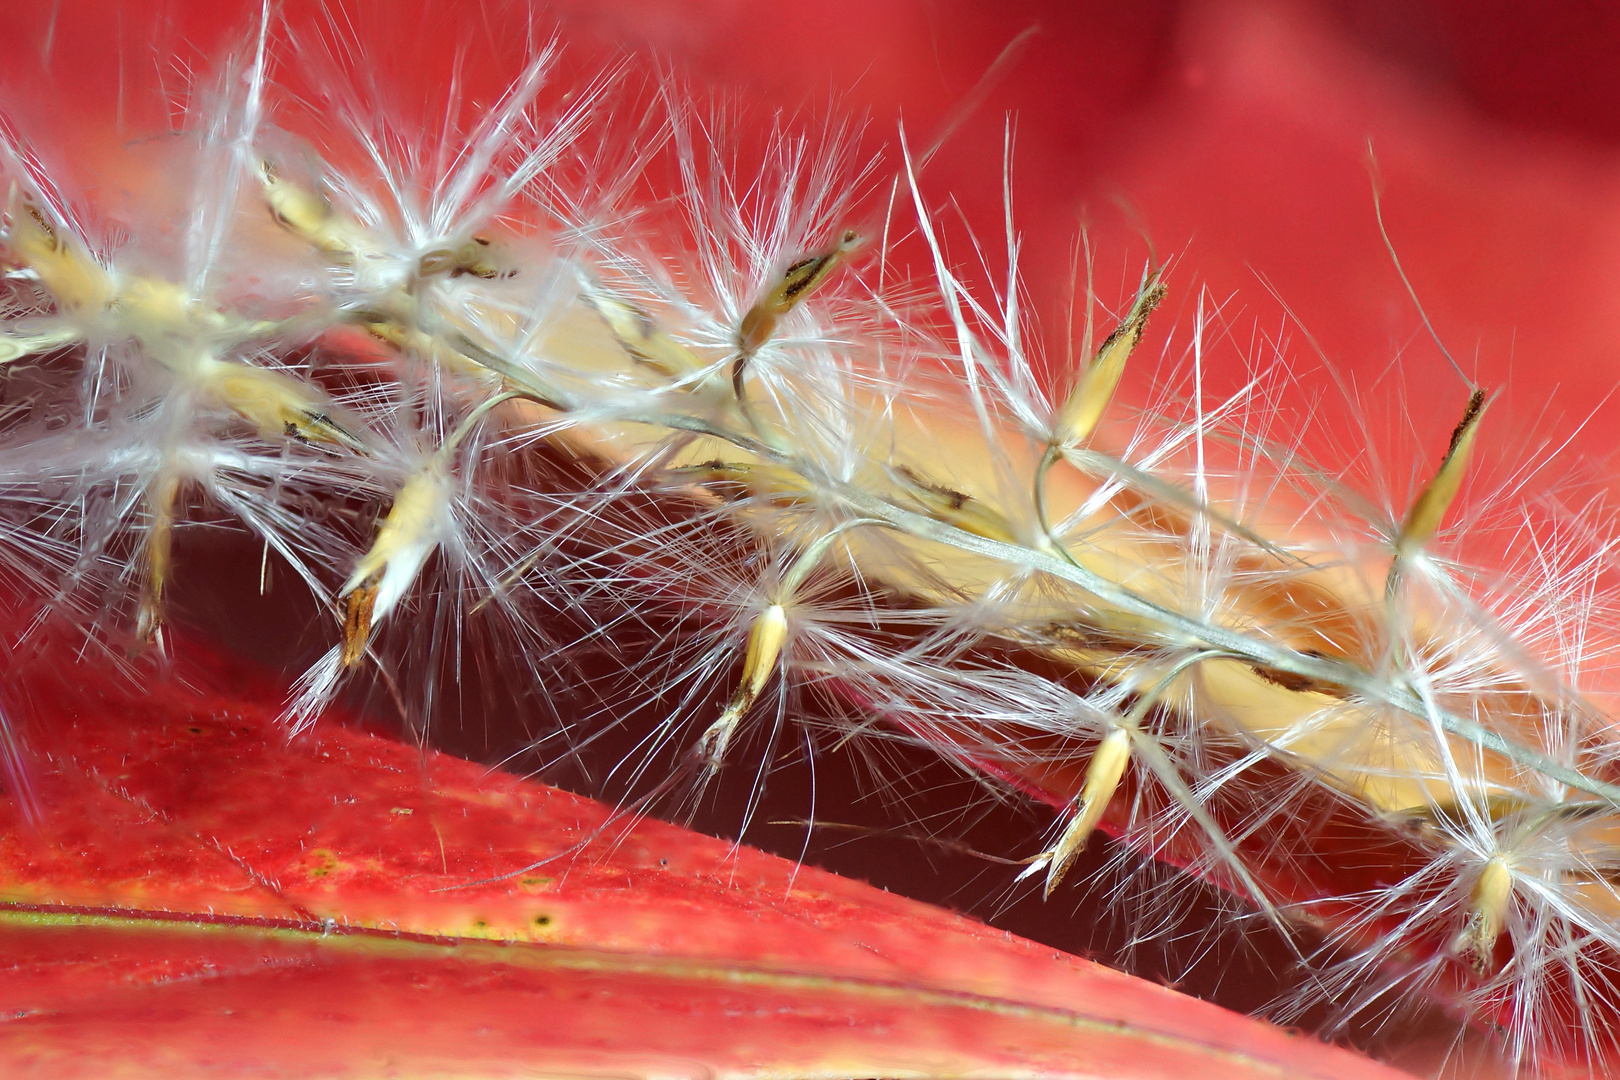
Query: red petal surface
{"x": 196, "y": 896}
{"x": 1240, "y": 133}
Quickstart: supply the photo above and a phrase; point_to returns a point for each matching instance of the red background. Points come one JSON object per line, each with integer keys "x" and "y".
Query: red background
{"x": 1235, "y": 131}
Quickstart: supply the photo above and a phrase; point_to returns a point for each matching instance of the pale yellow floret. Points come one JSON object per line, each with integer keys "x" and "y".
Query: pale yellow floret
{"x": 1487, "y": 913}
{"x": 797, "y": 283}
{"x": 278, "y": 404}
{"x": 405, "y": 538}
{"x": 160, "y": 500}
{"x": 945, "y": 503}
{"x": 310, "y": 217}
{"x": 765, "y": 640}
{"x": 81, "y": 286}
{"x": 174, "y": 328}
{"x": 1429, "y": 508}
{"x": 1088, "y": 400}
{"x": 636, "y": 331}
{"x": 17, "y": 346}
{"x": 1103, "y": 774}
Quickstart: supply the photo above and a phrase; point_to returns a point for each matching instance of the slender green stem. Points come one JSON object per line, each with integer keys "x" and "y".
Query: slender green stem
{"x": 1189, "y": 631}
{"x": 816, "y": 549}
{"x": 1181, "y": 630}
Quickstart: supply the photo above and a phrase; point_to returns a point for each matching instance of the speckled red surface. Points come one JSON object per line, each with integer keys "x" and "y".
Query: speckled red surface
{"x": 1236, "y": 130}
{"x": 192, "y": 894}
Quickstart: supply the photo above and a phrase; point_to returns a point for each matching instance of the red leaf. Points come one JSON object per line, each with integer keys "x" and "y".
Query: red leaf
{"x": 199, "y": 896}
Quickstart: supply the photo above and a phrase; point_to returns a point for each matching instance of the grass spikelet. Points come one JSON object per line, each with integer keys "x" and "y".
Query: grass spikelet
{"x": 582, "y": 399}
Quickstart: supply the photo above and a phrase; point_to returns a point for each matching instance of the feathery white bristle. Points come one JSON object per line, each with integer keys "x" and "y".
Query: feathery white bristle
{"x": 480, "y": 385}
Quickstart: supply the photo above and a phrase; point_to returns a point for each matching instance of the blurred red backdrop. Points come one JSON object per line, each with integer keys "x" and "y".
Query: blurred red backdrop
{"x": 1235, "y": 132}
{"x": 1235, "y": 129}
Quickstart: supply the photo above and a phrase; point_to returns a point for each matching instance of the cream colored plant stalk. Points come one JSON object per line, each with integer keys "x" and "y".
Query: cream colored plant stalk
{"x": 1170, "y": 617}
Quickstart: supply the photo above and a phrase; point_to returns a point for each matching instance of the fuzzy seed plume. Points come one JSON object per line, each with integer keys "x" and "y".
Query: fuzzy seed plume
{"x": 594, "y": 400}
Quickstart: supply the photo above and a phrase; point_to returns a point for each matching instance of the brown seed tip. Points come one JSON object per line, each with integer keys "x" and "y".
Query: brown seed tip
{"x": 1429, "y": 508}
{"x": 357, "y": 623}
{"x": 1095, "y": 388}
